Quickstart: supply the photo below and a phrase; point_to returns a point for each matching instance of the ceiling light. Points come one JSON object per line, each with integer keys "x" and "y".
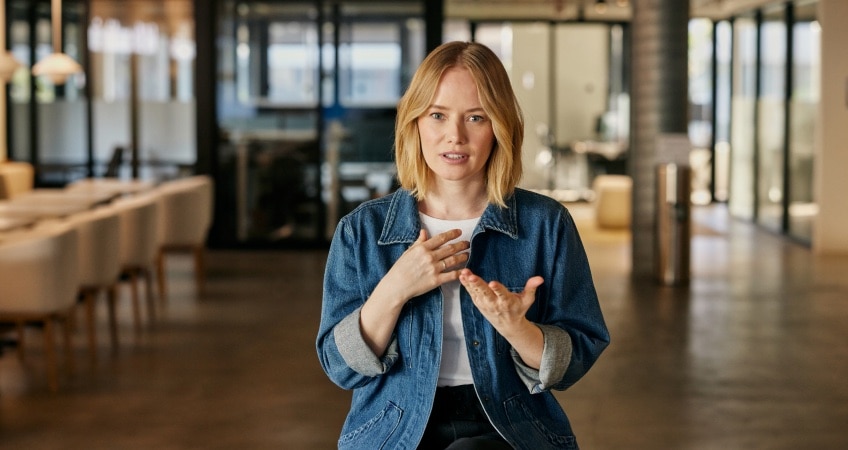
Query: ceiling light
{"x": 601, "y": 6}
{"x": 57, "y": 66}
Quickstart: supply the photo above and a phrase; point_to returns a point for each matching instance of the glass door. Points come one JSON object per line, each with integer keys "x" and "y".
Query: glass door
{"x": 306, "y": 102}
{"x": 269, "y": 65}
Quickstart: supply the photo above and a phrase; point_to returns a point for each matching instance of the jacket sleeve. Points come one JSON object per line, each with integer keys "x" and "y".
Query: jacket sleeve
{"x": 572, "y": 323}
{"x": 342, "y": 351}
{"x": 555, "y": 357}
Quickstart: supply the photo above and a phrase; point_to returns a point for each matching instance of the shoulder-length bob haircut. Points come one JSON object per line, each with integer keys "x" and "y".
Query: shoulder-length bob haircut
{"x": 503, "y": 170}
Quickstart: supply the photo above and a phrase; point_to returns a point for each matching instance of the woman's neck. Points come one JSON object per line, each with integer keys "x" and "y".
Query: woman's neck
{"x": 461, "y": 202}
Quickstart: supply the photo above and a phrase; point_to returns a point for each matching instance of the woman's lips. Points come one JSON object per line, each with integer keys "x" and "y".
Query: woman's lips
{"x": 454, "y": 157}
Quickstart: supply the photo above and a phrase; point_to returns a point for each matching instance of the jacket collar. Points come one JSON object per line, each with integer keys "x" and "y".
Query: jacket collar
{"x": 403, "y": 225}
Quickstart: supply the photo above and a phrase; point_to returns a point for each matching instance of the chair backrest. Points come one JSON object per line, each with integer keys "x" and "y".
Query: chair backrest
{"x": 187, "y": 209}
{"x": 16, "y": 177}
{"x": 99, "y": 246}
{"x": 139, "y": 240}
{"x": 38, "y": 271}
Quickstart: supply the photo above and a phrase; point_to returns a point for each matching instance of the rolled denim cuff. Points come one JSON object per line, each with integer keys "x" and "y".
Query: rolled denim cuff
{"x": 556, "y": 355}
{"x": 356, "y": 353}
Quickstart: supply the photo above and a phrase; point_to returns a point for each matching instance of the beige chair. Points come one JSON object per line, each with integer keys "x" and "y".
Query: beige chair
{"x": 186, "y": 206}
{"x": 99, "y": 266}
{"x": 38, "y": 285}
{"x": 139, "y": 245}
{"x": 16, "y": 177}
{"x": 613, "y": 208}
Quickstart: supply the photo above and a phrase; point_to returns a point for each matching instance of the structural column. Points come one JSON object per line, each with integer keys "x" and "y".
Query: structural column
{"x": 659, "y": 106}
{"x": 829, "y": 235}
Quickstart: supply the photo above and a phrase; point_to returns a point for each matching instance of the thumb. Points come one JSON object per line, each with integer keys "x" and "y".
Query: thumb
{"x": 531, "y": 286}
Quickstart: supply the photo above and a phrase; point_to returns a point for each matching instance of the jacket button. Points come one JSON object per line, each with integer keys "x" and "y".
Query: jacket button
{"x": 475, "y": 343}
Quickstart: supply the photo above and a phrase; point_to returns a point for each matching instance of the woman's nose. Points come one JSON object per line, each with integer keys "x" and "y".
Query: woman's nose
{"x": 456, "y": 133}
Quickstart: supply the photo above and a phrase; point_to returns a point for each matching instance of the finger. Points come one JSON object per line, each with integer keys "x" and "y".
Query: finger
{"x": 499, "y": 289}
{"x": 454, "y": 249}
{"x": 443, "y": 238}
{"x": 474, "y": 284}
{"x": 533, "y": 283}
{"x": 454, "y": 261}
{"x": 530, "y": 287}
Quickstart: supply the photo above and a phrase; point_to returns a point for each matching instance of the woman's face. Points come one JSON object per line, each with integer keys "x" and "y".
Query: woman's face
{"x": 456, "y": 134}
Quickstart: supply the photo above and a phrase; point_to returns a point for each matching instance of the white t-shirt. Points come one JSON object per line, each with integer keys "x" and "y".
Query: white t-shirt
{"x": 454, "y": 369}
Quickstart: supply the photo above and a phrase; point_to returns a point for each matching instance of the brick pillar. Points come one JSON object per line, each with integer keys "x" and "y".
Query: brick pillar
{"x": 659, "y": 105}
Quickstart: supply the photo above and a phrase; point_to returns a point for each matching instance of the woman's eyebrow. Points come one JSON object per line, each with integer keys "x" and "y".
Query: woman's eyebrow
{"x": 477, "y": 109}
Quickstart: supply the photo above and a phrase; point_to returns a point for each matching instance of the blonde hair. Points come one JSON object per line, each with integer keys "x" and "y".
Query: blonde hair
{"x": 503, "y": 170}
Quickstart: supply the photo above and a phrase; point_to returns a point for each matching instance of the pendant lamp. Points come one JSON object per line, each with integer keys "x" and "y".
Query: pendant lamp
{"x": 57, "y": 66}
{"x": 8, "y": 63}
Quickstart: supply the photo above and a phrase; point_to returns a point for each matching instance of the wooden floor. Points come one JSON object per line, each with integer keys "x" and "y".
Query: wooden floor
{"x": 752, "y": 355}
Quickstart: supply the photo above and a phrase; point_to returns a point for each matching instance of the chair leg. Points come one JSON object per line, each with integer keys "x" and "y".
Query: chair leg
{"x": 50, "y": 353}
{"x": 89, "y": 298}
{"x": 19, "y": 325}
{"x": 151, "y": 304}
{"x": 67, "y": 328}
{"x": 112, "y": 297}
{"x": 199, "y": 269}
{"x": 160, "y": 274}
{"x": 135, "y": 301}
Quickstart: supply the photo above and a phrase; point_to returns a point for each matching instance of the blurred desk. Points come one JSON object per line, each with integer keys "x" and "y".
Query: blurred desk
{"x": 40, "y": 211}
{"x": 608, "y": 150}
{"x": 47, "y": 197}
{"x": 109, "y": 186}
{"x": 49, "y": 204}
{"x": 13, "y": 223}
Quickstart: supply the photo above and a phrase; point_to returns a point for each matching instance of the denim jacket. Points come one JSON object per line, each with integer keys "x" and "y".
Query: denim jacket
{"x": 393, "y": 393}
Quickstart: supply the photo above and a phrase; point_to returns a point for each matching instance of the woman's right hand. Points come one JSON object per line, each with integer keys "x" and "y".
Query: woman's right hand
{"x": 427, "y": 264}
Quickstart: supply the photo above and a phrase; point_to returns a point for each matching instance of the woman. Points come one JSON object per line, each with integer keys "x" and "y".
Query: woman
{"x": 455, "y": 304}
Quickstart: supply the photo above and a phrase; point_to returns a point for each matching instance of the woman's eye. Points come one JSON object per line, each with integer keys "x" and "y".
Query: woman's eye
{"x": 438, "y": 116}
{"x": 476, "y": 118}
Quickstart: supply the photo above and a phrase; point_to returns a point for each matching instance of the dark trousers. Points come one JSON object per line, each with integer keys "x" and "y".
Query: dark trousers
{"x": 458, "y": 422}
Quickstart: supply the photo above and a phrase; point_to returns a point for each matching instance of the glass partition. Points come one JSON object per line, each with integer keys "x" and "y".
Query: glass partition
{"x": 56, "y": 112}
{"x": 723, "y": 83}
{"x": 142, "y": 59}
{"x": 771, "y": 110}
{"x": 21, "y": 34}
{"x": 806, "y": 67}
{"x": 701, "y": 107}
{"x": 129, "y": 47}
{"x": 743, "y": 113}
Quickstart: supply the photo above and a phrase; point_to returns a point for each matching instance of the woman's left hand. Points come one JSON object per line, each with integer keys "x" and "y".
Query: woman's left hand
{"x": 507, "y": 311}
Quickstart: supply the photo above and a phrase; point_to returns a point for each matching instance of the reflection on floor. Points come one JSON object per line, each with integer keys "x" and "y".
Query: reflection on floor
{"x": 752, "y": 354}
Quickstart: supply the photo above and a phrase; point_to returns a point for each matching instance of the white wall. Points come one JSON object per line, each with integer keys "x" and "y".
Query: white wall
{"x": 582, "y": 71}
{"x": 530, "y": 76}
{"x": 580, "y": 89}
{"x": 831, "y": 184}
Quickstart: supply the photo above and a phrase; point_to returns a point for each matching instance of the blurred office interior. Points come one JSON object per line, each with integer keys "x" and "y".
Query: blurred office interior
{"x": 288, "y": 107}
